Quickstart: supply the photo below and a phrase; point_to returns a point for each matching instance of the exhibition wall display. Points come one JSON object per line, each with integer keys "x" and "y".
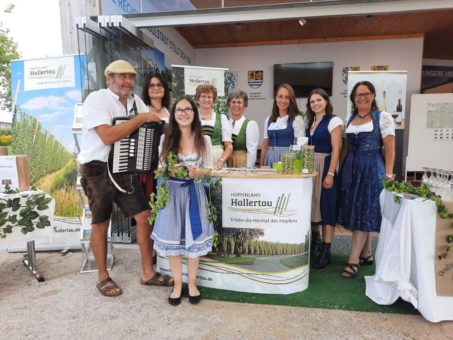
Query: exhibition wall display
{"x": 406, "y": 54}
{"x": 431, "y": 132}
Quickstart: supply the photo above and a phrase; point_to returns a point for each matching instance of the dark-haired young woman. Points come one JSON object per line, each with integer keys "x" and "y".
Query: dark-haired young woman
{"x": 324, "y": 131}
{"x": 182, "y": 228}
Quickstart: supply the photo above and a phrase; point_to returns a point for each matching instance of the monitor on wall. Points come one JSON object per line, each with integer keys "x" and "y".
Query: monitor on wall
{"x": 304, "y": 77}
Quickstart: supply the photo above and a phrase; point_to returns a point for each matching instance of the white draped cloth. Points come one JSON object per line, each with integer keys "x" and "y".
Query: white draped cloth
{"x": 405, "y": 258}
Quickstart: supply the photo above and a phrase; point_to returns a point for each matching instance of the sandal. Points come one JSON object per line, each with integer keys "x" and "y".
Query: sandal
{"x": 108, "y": 287}
{"x": 158, "y": 280}
{"x": 350, "y": 271}
{"x": 366, "y": 261}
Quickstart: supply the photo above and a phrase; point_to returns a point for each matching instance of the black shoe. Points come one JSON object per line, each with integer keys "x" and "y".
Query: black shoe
{"x": 323, "y": 260}
{"x": 194, "y": 300}
{"x": 174, "y": 301}
{"x": 315, "y": 244}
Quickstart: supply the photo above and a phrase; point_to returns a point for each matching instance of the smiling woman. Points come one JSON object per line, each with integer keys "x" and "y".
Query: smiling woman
{"x": 282, "y": 127}
{"x": 369, "y": 132}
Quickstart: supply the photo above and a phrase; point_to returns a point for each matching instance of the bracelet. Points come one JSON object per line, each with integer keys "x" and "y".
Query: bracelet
{"x": 389, "y": 175}
{"x": 331, "y": 174}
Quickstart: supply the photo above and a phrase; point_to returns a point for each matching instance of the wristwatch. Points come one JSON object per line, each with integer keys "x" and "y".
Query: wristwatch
{"x": 222, "y": 160}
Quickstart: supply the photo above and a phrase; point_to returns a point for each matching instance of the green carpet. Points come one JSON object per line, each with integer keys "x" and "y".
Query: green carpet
{"x": 326, "y": 290}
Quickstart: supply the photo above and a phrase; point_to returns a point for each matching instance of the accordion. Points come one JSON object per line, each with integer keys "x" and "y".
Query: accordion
{"x": 139, "y": 152}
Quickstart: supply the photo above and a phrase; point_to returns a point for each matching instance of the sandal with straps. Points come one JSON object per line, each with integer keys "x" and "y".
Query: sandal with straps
{"x": 109, "y": 288}
{"x": 158, "y": 280}
{"x": 366, "y": 261}
{"x": 350, "y": 271}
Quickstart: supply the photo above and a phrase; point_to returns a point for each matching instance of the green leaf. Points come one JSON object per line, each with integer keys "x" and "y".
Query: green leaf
{"x": 43, "y": 218}
{"x": 42, "y": 224}
{"x": 25, "y": 211}
{"x": 3, "y": 215}
{"x": 33, "y": 215}
{"x": 43, "y": 207}
{"x": 23, "y": 222}
{"x": 12, "y": 219}
{"x": 2, "y": 206}
{"x": 2, "y": 222}
{"x": 46, "y": 201}
{"x": 8, "y": 229}
{"x": 15, "y": 207}
{"x": 24, "y": 231}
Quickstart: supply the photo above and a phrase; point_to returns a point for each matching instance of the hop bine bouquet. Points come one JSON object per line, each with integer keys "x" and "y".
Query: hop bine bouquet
{"x": 174, "y": 168}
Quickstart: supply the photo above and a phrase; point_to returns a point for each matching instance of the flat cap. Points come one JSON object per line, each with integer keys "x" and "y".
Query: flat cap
{"x": 119, "y": 66}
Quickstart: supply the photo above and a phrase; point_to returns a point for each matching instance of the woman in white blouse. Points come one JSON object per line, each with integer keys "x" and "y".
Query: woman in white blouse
{"x": 324, "y": 132}
{"x": 282, "y": 127}
{"x": 245, "y": 132}
{"x": 363, "y": 171}
{"x": 215, "y": 125}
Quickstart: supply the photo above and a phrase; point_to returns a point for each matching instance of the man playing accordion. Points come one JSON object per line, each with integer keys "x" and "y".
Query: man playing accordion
{"x": 98, "y": 134}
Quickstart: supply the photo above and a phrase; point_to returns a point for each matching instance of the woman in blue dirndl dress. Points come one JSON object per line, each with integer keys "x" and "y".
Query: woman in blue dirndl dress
{"x": 182, "y": 227}
{"x": 324, "y": 131}
{"x": 364, "y": 170}
{"x": 282, "y": 127}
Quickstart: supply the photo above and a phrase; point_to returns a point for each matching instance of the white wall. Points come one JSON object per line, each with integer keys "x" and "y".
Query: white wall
{"x": 398, "y": 54}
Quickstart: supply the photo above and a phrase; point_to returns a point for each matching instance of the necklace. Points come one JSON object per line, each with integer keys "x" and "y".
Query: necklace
{"x": 204, "y": 116}
{"x": 362, "y": 117}
{"x": 316, "y": 123}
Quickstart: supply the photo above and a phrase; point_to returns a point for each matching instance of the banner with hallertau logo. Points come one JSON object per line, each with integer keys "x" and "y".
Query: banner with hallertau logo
{"x": 194, "y": 76}
{"x": 272, "y": 205}
{"x": 263, "y": 243}
{"x": 52, "y": 73}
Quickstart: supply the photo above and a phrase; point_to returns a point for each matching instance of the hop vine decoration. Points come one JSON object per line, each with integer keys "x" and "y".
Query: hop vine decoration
{"x": 25, "y": 215}
{"x": 422, "y": 191}
{"x": 160, "y": 199}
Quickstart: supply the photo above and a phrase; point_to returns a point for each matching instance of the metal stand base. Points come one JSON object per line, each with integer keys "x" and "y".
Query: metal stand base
{"x": 29, "y": 261}
{"x": 88, "y": 261}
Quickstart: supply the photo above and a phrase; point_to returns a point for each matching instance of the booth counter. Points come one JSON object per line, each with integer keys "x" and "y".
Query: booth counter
{"x": 262, "y": 235}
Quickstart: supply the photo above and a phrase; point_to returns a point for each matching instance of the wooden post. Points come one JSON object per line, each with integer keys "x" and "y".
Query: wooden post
{"x": 3, "y": 151}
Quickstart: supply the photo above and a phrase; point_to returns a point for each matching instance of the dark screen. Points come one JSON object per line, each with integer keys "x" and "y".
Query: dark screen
{"x": 304, "y": 77}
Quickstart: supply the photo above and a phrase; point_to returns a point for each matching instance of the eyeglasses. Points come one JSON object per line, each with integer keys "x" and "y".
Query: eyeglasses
{"x": 187, "y": 111}
{"x": 158, "y": 86}
{"x": 363, "y": 95}
{"x": 206, "y": 97}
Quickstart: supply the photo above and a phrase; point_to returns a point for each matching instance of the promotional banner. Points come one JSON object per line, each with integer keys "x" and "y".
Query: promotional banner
{"x": 194, "y": 76}
{"x": 42, "y": 74}
{"x": 263, "y": 243}
{"x": 48, "y": 90}
{"x": 390, "y": 90}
